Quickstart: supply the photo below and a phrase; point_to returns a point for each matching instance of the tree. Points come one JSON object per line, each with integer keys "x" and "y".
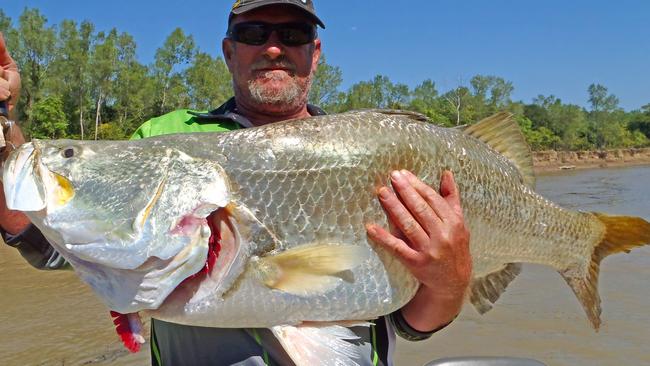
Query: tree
{"x": 457, "y": 99}
{"x": 72, "y": 72}
{"x": 178, "y": 50}
{"x": 601, "y": 101}
{"x": 33, "y": 46}
{"x": 377, "y": 93}
{"x": 325, "y": 85}
{"x": 423, "y": 97}
{"x": 498, "y": 88}
{"x": 5, "y": 22}
{"x": 104, "y": 68}
{"x": 208, "y": 81}
{"x": 49, "y": 119}
{"x": 131, "y": 89}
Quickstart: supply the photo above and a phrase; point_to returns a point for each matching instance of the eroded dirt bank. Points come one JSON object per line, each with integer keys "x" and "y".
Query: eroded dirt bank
{"x": 549, "y": 161}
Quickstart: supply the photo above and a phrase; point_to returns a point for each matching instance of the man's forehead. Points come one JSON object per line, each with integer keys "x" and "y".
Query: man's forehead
{"x": 276, "y": 13}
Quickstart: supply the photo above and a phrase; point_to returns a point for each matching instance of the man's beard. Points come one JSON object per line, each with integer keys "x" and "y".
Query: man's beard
{"x": 264, "y": 90}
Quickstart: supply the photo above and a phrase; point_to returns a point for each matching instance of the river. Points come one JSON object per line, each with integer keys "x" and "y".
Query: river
{"x": 52, "y": 319}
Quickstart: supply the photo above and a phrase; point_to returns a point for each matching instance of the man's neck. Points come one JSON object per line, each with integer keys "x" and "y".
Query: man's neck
{"x": 259, "y": 118}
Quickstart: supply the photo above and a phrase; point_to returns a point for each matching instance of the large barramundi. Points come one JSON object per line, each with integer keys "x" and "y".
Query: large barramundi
{"x": 130, "y": 216}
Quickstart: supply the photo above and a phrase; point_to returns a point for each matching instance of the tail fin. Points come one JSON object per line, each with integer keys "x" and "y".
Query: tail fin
{"x": 622, "y": 234}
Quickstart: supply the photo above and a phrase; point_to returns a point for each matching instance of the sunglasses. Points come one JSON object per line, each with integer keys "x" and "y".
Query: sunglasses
{"x": 258, "y": 33}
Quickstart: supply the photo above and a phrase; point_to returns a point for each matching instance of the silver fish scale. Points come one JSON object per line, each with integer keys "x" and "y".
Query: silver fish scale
{"x": 315, "y": 181}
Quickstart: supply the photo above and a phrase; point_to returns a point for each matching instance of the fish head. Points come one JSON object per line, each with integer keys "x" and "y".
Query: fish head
{"x": 129, "y": 216}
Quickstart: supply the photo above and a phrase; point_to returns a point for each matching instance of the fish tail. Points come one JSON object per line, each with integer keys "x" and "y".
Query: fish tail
{"x": 622, "y": 234}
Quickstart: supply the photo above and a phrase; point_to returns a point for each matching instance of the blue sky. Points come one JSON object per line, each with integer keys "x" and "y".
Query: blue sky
{"x": 543, "y": 47}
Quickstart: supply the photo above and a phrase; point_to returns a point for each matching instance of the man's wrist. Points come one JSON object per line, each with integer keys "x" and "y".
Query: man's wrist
{"x": 430, "y": 311}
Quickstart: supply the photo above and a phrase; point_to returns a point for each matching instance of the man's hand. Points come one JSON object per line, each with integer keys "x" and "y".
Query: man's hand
{"x": 9, "y": 76}
{"x": 430, "y": 238}
{"x": 12, "y": 221}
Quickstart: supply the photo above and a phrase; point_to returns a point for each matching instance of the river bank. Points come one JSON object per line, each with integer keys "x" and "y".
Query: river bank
{"x": 553, "y": 161}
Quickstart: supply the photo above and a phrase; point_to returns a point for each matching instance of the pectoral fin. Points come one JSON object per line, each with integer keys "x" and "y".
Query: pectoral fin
{"x": 310, "y": 269}
{"x": 315, "y": 345}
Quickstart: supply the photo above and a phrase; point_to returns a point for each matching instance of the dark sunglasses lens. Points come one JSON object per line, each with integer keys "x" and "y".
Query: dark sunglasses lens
{"x": 254, "y": 34}
{"x": 290, "y": 34}
{"x": 296, "y": 34}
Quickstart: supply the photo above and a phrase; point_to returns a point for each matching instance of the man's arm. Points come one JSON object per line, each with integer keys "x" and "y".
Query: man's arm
{"x": 13, "y": 222}
{"x": 15, "y": 227}
{"x": 432, "y": 241}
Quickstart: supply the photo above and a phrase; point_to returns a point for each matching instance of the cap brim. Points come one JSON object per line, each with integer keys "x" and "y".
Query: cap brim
{"x": 249, "y": 7}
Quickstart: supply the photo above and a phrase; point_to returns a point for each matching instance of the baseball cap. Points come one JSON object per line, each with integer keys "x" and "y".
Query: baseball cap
{"x": 243, "y": 6}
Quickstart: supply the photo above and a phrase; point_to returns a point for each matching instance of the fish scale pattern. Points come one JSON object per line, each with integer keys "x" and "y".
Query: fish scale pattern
{"x": 315, "y": 181}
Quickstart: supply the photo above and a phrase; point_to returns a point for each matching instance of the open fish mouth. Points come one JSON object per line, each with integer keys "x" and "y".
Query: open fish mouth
{"x": 23, "y": 184}
{"x": 30, "y": 186}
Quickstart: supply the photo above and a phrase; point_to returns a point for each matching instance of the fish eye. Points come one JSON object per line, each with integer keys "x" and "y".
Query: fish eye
{"x": 68, "y": 152}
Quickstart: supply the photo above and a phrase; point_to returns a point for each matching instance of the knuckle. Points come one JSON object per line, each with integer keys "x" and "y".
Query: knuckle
{"x": 421, "y": 209}
{"x": 409, "y": 227}
{"x": 430, "y": 194}
{"x": 411, "y": 261}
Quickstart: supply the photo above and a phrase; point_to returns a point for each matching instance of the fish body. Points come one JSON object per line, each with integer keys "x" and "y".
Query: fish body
{"x": 130, "y": 216}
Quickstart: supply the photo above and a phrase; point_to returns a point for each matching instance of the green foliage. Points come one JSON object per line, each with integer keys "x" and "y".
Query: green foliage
{"x": 111, "y": 131}
{"x": 83, "y": 83}
{"x": 208, "y": 82}
{"x": 49, "y": 119}
{"x": 325, "y": 85}
{"x": 639, "y": 121}
{"x": 539, "y": 139}
{"x": 379, "y": 92}
{"x": 32, "y": 45}
{"x": 177, "y": 51}
{"x": 5, "y": 22}
{"x": 599, "y": 99}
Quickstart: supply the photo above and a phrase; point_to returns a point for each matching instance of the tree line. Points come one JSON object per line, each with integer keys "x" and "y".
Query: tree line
{"x": 78, "y": 82}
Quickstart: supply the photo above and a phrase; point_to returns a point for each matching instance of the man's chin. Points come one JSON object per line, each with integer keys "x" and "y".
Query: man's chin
{"x": 275, "y": 96}
{"x": 278, "y": 108}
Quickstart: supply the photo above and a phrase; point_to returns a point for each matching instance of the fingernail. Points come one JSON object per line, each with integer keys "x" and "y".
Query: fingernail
{"x": 384, "y": 193}
{"x": 396, "y": 174}
{"x": 410, "y": 176}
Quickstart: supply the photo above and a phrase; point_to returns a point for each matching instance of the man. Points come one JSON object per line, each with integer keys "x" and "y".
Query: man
{"x": 272, "y": 51}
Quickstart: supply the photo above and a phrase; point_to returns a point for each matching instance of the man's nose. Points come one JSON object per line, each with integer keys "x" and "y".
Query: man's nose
{"x": 273, "y": 48}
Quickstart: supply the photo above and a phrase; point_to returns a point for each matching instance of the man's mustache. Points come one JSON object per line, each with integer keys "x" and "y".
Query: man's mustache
{"x": 277, "y": 63}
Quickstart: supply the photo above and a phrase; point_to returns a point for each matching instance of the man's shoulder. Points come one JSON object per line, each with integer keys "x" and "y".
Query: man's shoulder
{"x": 181, "y": 121}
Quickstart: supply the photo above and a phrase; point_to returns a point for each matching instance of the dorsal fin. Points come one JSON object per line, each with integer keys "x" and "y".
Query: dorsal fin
{"x": 502, "y": 133}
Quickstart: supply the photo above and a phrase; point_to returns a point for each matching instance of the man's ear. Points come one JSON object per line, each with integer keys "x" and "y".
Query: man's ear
{"x": 228, "y": 49}
{"x": 315, "y": 55}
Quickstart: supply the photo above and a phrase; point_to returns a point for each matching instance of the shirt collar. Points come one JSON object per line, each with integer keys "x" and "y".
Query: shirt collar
{"x": 228, "y": 111}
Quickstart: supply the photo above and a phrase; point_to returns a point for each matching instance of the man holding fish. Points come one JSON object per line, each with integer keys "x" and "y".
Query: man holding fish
{"x": 272, "y": 51}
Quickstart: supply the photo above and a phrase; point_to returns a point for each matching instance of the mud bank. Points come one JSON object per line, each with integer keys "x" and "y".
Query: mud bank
{"x": 551, "y": 161}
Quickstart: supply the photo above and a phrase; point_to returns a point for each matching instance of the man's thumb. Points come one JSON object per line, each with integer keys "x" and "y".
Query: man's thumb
{"x": 5, "y": 58}
{"x": 3, "y": 47}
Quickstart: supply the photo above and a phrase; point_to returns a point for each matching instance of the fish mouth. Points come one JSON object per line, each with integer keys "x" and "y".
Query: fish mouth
{"x": 30, "y": 186}
{"x": 23, "y": 184}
